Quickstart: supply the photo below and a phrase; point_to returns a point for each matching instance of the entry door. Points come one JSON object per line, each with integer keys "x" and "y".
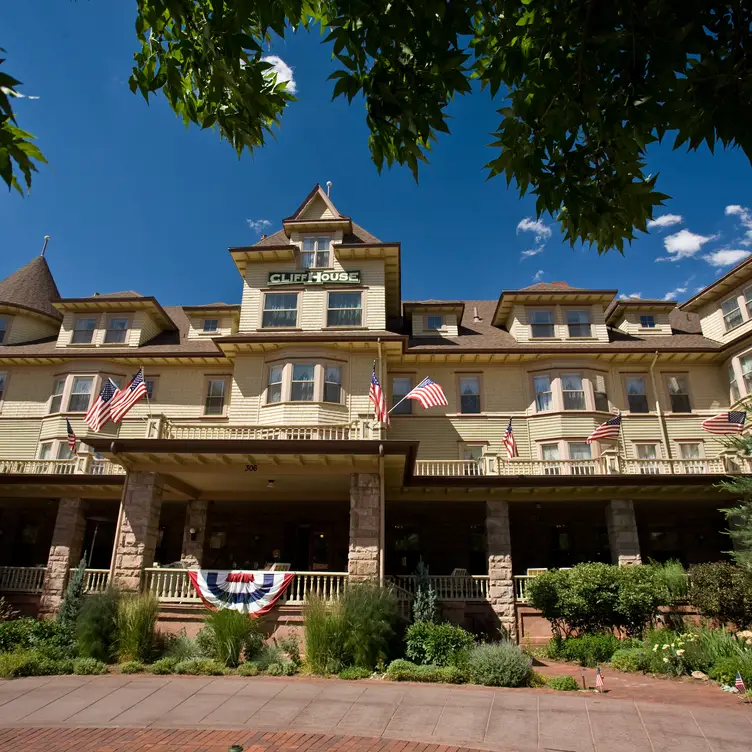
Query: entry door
{"x": 312, "y": 548}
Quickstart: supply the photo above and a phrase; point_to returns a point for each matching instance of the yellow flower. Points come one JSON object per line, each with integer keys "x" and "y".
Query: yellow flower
{"x": 680, "y": 652}
{"x": 665, "y": 660}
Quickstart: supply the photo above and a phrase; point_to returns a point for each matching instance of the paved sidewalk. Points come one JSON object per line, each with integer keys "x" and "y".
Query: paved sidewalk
{"x": 500, "y": 719}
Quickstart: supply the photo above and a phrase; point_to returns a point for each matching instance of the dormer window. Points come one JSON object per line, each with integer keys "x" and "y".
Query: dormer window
{"x": 434, "y": 323}
{"x": 315, "y": 253}
{"x": 647, "y": 322}
{"x": 732, "y": 316}
{"x": 117, "y": 330}
{"x": 83, "y": 331}
{"x": 542, "y": 324}
{"x": 211, "y": 325}
{"x": 3, "y": 329}
{"x": 579, "y": 323}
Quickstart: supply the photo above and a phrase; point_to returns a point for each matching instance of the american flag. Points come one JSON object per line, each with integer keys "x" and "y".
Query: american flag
{"x": 126, "y": 398}
{"x": 599, "y": 685}
{"x": 732, "y": 422}
{"x": 607, "y": 430}
{"x": 72, "y": 438}
{"x": 509, "y": 442}
{"x": 739, "y": 683}
{"x": 376, "y": 395}
{"x": 99, "y": 412}
{"x": 428, "y": 393}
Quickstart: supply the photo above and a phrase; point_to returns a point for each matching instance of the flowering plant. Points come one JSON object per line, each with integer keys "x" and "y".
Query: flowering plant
{"x": 670, "y": 656}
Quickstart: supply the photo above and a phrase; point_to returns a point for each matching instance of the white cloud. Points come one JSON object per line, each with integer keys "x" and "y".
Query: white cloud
{"x": 674, "y": 294}
{"x": 532, "y": 252}
{"x": 684, "y": 244}
{"x": 538, "y": 227}
{"x": 725, "y": 257}
{"x": 282, "y": 71}
{"x": 745, "y": 220}
{"x": 258, "y": 225}
{"x": 538, "y": 276}
{"x": 665, "y": 220}
{"x": 631, "y": 296}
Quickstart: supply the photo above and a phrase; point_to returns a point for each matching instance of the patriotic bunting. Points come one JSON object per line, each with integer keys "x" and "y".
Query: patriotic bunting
{"x": 252, "y": 593}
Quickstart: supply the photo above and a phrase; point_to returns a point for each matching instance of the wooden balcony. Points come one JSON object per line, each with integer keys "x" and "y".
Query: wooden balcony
{"x": 85, "y": 465}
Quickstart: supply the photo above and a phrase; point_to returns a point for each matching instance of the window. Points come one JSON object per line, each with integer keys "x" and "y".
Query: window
{"x": 688, "y": 451}
{"x": 83, "y": 331}
{"x": 637, "y": 395}
{"x": 3, "y": 328}
{"x": 732, "y": 316}
{"x": 80, "y": 395}
{"x": 733, "y": 385}
{"x": 302, "y": 383}
{"x": 117, "y": 330}
{"x": 579, "y": 450}
{"x": 573, "y": 392}
{"x": 647, "y": 451}
{"x": 401, "y": 385}
{"x": 434, "y": 322}
{"x": 647, "y": 322}
{"x": 550, "y": 453}
{"x": 151, "y": 385}
{"x": 748, "y": 300}
{"x": 678, "y": 392}
{"x": 45, "y": 451}
{"x": 543, "y": 395}
{"x": 579, "y": 323}
{"x": 332, "y": 384}
{"x": 345, "y": 309}
{"x": 600, "y": 397}
{"x": 3, "y": 381}
{"x": 315, "y": 254}
{"x": 274, "y": 387}
{"x": 746, "y": 364}
{"x": 64, "y": 451}
{"x": 57, "y": 395}
{"x": 469, "y": 394}
{"x": 280, "y": 309}
{"x": 211, "y": 325}
{"x": 215, "y": 396}
{"x": 542, "y": 323}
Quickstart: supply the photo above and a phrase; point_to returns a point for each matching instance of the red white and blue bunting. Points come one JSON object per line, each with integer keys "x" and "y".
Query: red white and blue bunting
{"x": 252, "y": 593}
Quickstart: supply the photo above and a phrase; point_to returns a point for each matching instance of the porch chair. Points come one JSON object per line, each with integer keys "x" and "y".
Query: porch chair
{"x": 459, "y": 572}
{"x": 278, "y": 566}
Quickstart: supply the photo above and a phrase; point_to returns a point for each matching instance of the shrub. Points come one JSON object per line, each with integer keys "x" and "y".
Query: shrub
{"x": 136, "y": 621}
{"x": 641, "y": 590}
{"x": 251, "y": 668}
{"x": 437, "y": 644}
{"x": 291, "y": 646}
{"x": 164, "y": 666}
{"x": 724, "y": 671}
{"x": 181, "y": 647}
{"x": 96, "y": 627}
{"x": 275, "y": 669}
{"x": 132, "y": 667}
{"x": 268, "y": 655}
{"x": 498, "y": 665}
{"x": 200, "y": 666}
{"x": 402, "y": 670}
{"x": 674, "y": 580}
{"x": 722, "y": 591}
{"x": 630, "y": 659}
{"x": 667, "y": 651}
{"x": 707, "y": 646}
{"x": 370, "y": 615}
{"x": 590, "y": 649}
{"x": 73, "y": 599}
{"x": 89, "y": 666}
{"x": 563, "y": 683}
{"x": 355, "y": 672}
{"x": 32, "y": 663}
{"x": 537, "y": 680}
{"x": 227, "y": 633}
{"x": 325, "y": 639}
{"x": 7, "y": 612}
{"x": 425, "y": 603}
{"x": 45, "y": 636}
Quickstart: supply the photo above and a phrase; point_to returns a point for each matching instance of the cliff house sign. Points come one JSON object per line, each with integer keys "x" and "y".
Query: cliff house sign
{"x": 314, "y": 277}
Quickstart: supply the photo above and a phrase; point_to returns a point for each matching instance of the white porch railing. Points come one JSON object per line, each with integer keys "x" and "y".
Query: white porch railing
{"x": 450, "y": 468}
{"x": 448, "y": 587}
{"x": 598, "y": 466}
{"x": 520, "y": 587}
{"x": 715, "y": 466}
{"x": 84, "y": 465}
{"x": 95, "y": 580}
{"x": 22, "y": 579}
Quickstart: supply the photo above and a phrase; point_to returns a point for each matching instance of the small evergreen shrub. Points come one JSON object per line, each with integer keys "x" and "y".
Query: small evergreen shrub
{"x": 181, "y": 647}
{"x": 562, "y": 683}
{"x": 200, "y": 667}
{"x": 227, "y": 633}
{"x": 498, "y": 665}
{"x": 164, "y": 666}
{"x": 32, "y": 663}
{"x": 50, "y": 637}
{"x": 250, "y": 668}
{"x": 132, "y": 667}
{"x": 89, "y": 666}
{"x": 354, "y": 672}
{"x": 589, "y": 649}
{"x": 268, "y": 655}
{"x": 630, "y": 659}
{"x": 402, "y": 670}
{"x": 437, "y": 644}
{"x": 724, "y": 671}
{"x": 275, "y": 669}
{"x": 289, "y": 645}
{"x": 96, "y": 627}
{"x": 73, "y": 598}
{"x": 723, "y": 592}
{"x": 136, "y": 622}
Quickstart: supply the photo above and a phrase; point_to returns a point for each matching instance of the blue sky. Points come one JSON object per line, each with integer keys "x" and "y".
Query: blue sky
{"x": 135, "y": 201}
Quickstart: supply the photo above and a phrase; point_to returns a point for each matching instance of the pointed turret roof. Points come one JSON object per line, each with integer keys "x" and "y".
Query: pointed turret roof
{"x": 32, "y": 287}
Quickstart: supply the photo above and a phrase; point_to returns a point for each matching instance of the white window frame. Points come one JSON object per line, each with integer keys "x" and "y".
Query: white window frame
{"x": 700, "y": 448}
{"x": 264, "y": 310}
{"x": 440, "y": 318}
{"x": 746, "y": 375}
{"x": 77, "y": 328}
{"x": 638, "y": 445}
{"x": 736, "y": 310}
{"x": 647, "y": 321}
{"x": 154, "y": 380}
{"x": 208, "y": 381}
{"x": 550, "y": 393}
{"x": 272, "y": 368}
{"x": 734, "y": 393}
{"x": 325, "y": 368}
{"x": 680, "y": 377}
{"x": 293, "y": 380}
{"x": 552, "y": 323}
{"x": 583, "y": 390}
{"x": 210, "y": 330}
{"x": 71, "y": 394}
{"x": 469, "y": 377}
{"x": 588, "y": 323}
{"x": 315, "y": 251}
{"x": 53, "y": 395}
{"x": 329, "y": 309}
{"x": 747, "y": 292}
{"x": 42, "y": 449}
{"x": 110, "y": 331}
{"x": 627, "y": 377}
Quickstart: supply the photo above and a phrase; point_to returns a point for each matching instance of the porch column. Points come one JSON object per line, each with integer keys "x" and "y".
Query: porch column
{"x": 622, "y": 532}
{"x": 499, "y": 551}
{"x": 65, "y": 552}
{"x": 139, "y": 525}
{"x": 194, "y": 533}
{"x": 363, "y": 556}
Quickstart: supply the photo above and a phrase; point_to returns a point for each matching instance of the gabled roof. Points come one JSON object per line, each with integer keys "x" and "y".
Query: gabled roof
{"x": 126, "y": 301}
{"x": 317, "y": 193}
{"x": 550, "y": 287}
{"x": 33, "y": 288}
{"x": 548, "y": 293}
{"x": 741, "y": 273}
{"x": 619, "y": 307}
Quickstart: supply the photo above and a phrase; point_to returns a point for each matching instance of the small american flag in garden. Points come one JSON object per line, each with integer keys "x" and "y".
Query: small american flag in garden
{"x": 376, "y": 395}
{"x": 739, "y": 683}
{"x": 725, "y": 423}
{"x": 72, "y": 438}
{"x": 607, "y": 430}
{"x": 428, "y": 393}
{"x": 599, "y": 685}
{"x": 509, "y": 442}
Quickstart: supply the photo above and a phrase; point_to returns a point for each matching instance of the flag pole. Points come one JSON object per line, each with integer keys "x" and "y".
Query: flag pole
{"x": 399, "y": 403}
{"x": 148, "y": 401}
{"x": 621, "y": 440}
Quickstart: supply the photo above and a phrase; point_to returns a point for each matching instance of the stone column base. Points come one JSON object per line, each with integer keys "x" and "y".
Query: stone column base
{"x": 622, "y": 532}
{"x": 363, "y": 555}
{"x": 500, "y": 580}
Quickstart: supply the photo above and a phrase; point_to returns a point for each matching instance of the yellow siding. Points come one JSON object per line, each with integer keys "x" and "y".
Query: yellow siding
{"x": 144, "y": 328}
{"x": 317, "y": 209}
{"x": 631, "y": 324}
{"x": 196, "y": 327}
{"x": 519, "y": 322}
{"x": 713, "y": 326}
{"x": 29, "y": 329}
{"x": 18, "y": 439}
{"x": 449, "y": 328}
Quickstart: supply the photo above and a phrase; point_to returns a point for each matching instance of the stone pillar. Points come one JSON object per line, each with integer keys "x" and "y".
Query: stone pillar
{"x": 363, "y": 556}
{"x": 499, "y": 551}
{"x": 65, "y": 552}
{"x": 622, "y": 532}
{"x": 193, "y": 542}
{"x": 137, "y": 538}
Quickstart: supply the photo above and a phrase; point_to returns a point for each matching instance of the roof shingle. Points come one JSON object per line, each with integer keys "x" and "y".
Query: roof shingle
{"x": 32, "y": 287}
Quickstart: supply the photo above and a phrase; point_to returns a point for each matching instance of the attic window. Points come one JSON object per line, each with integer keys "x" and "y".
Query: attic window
{"x": 434, "y": 322}
{"x": 211, "y": 325}
{"x": 647, "y": 322}
{"x": 315, "y": 254}
{"x": 3, "y": 328}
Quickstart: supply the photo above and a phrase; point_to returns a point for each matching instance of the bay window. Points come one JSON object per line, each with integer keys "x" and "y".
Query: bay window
{"x": 637, "y": 395}
{"x": 732, "y": 316}
{"x": 678, "y": 392}
{"x": 647, "y": 451}
{"x": 280, "y": 310}
{"x": 578, "y": 323}
{"x": 543, "y": 394}
{"x": 315, "y": 253}
{"x": 735, "y": 395}
{"x": 746, "y": 365}
{"x": 600, "y": 397}
{"x": 550, "y": 453}
{"x": 274, "y": 387}
{"x": 56, "y": 400}
{"x": 469, "y": 394}
{"x": 45, "y": 450}
{"x": 216, "y": 389}
{"x": 573, "y": 392}
{"x": 345, "y": 309}
{"x": 83, "y": 331}
{"x": 117, "y": 330}
{"x": 401, "y": 385}
{"x": 748, "y": 300}
{"x": 3, "y": 329}
{"x": 304, "y": 382}
{"x": 541, "y": 324}
{"x": 80, "y": 394}
{"x": 333, "y": 384}
{"x": 301, "y": 389}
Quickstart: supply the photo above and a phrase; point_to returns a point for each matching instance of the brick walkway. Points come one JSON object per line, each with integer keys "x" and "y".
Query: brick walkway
{"x": 134, "y": 713}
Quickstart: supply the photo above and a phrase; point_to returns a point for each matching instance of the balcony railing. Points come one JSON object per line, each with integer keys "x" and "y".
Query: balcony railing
{"x": 451, "y": 468}
{"x": 95, "y": 580}
{"x": 21, "y": 579}
{"x": 85, "y": 465}
{"x": 448, "y": 587}
{"x": 520, "y": 587}
{"x": 599, "y": 466}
